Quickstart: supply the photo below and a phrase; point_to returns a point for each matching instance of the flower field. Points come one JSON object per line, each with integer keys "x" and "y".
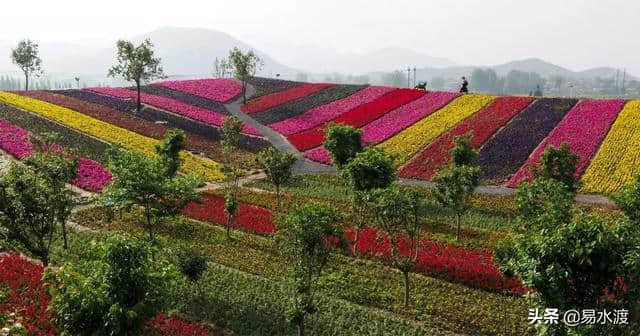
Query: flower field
{"x": 265, "y": 86}
{"x": 90, "y": 175}
{"x": 274, "y": 99}
{"x": 583, "y": 129}
{"x": 408, "y": 142}
{"x": 218, "y": 89}
{"x": 357, "y": 117}
{"x": 321, "y": 114}
{"x": 507, "y": 150}
{"x": 301, "y": 105}
{"x": 186, "y": 98}
{"x": 206, "y": 116}
{"x": 482, "y": 125}
{"x": 618, "y": 159}
{"x": 209, "y": 170}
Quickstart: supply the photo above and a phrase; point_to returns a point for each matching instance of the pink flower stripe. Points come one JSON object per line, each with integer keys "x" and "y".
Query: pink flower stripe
{"x": 482, "y": 125}
{"x": 324, "y": 113}
{"x": 90, "y": 175}
{"x": 583, "y": 129}
{"x": 173, "y": 105}
{"x": 403, "y": 117}
{"x": 218, "y": 89}
{"x": 318, "y": 154}
{"x": 271, "y": 100}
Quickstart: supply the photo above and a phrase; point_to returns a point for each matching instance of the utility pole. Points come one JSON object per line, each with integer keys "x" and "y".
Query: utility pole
{"x": 408, "y": 76}
{"x": 414, "y": 76}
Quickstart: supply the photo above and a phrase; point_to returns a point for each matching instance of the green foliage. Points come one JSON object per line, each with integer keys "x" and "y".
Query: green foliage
{"x": 143, "y": 181}
{"x": 114, "y": 292}
{"x": 34, "y": 201}
{"x": 169, "y": 150}
{"x": 462, "y": 153}
{"x": 277, "y": 166}
{"x": 343, "y": 142}
{"x": 230, "y": 207}
{"x": 244, "y": 66}
{"x": 454, "y": 189}
{"x": 371, "y": 169}
{"x": 192, "y": 265}
{"x": 137, "y": 64}
{"x": 397, "y": 213}
{"x": 543, "y": 204}
{"x": 27, "y": 58}
{"x": 303, "y": 237}
{"x": 574, "y": 265}
{"x": 559, "y": 163}
{"x": 628, "y": 200}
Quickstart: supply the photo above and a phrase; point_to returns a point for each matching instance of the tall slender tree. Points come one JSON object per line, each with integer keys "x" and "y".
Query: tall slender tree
{"x": 27, "y": 58}
{"x": 137, "y": 64}
{"x": 245, "y": 65}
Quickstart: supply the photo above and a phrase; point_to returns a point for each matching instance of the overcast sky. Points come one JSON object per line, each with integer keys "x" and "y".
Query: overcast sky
{"x": 574, "y": 33}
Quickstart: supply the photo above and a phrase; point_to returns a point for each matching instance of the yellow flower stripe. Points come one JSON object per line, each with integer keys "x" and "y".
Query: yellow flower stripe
{"x": 617, "y": 161}
{"x": 207, "y": 169}
{"x": 407, "y": 143}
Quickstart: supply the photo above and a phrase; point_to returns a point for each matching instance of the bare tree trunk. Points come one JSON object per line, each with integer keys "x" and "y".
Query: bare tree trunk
{"x": 244, "y": 89}
{"x": 26, "y": 82}
{"x": 300, "y": 326}
{"x": 278, "y": 197}
{"x": 228, "y": 226}
{"x": 138, "y": 105}
{"x": 406, "y": 288}
{"x": 64, "y": 235}
{"x": 355, "y": 241}
{"x": 457, "y": 226}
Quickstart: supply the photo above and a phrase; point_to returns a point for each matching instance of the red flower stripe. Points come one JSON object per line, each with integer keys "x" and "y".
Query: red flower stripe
{"x": 248, "y": 217}
{"x": 27, "y": 296}
{"x": 474, "y": 267}
{"x": 163, "y": 325}
{"x": 483, "y": 125}
{"x": 357, "y": 117}
{"x": 268, "y": 101}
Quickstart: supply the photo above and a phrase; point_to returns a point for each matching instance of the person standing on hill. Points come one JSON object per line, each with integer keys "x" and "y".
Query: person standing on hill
{"x": 464, "y": 87}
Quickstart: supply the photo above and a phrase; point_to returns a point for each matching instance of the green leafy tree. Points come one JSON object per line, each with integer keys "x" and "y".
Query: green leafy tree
{"x": 143, "y": 181}
{"x": 397, "y": 215}
{"x": 543, "y": 203}
{"x": 277, "y": 166}
{"x": 245, "y": 65}
{"x": 628, "y": 200}
{"x": 343, "y": 142}
{"x": 137, "y": 64}
{"x": 193, "y": 265}
{"x": 27, "y": 57}
{"x": 303, "y": 238}
{"x": 116, "y": 288}
{"x": 456, "y": 182}
{"x": 34, "y": 201}
{"x": 559, "y": 163}
{"x": 369, "y": 170}
{"x": 230, "y": 207}
{"x": 231, "y": 134}
{"x": 169, "y": 150}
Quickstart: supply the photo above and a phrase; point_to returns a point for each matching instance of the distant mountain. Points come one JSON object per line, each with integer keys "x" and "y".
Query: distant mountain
{"x": 184, "y": 51}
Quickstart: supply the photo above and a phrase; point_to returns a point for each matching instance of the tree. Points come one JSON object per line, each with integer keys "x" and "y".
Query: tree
{"x": 113, "y": 290}
{"x": 343, "y": 142}
{"x": 137, "y": 64}
{"x": 369, "y": 170}
{"x": 27, "y": 58}
{"x": 544, "y": 202}
{"x": 277, "y": 166}
{"x": 303, "y": 239}
{"x": 628, "y": 200}
{"x": 456, "y": 182}
{"x": 244, "y": 66}
{"x": 169, "y": 150}
{"x": 221, "y": 67}
{"x": 143, "y": 181}
{"x": 559, "y": 163}
{"x": 32, "y": 204}
{"x": 397, "y": 215}
{"x": 192, "y": 265}
{"x": 230, "y": 207}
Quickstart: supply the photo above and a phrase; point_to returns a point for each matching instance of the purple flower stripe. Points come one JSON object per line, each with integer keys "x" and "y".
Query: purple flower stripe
{"x": 186, "y": 98}
{"x": 318, "y": 154}
{"x": 583, "y": 129}
{"x": 265, "y": 86}
{"x": 503, "y": 154}
{"x": 324, "y": 113}
{"x": 404, "y": 116}
{"x": 90, "y": 175}
{"x": 92, "y": 97}
{"x": 218, "y": 89}
{"x": 175, "y": 106}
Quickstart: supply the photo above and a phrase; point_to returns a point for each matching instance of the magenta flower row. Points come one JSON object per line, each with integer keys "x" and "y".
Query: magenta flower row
{"x": 218, "y": 89}
{"x": 90, "y": 175}
{"x": 175, "y": 106}
{"x": 324, "y": 113}
{"x": 583, "y": 129}
{"x": 405, "y": 116}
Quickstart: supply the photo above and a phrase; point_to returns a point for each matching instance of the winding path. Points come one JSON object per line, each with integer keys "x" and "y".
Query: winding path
{"x": 306, "y": 166}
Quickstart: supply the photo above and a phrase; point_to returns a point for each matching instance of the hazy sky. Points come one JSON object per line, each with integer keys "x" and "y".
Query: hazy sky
{"x": 574, "y": 33}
